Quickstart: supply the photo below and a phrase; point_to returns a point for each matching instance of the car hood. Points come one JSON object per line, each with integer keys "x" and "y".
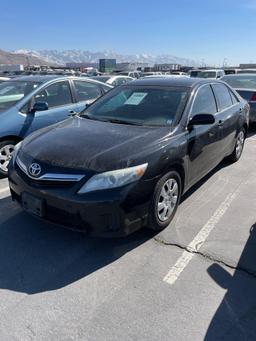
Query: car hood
{"x": 80, "y": 143}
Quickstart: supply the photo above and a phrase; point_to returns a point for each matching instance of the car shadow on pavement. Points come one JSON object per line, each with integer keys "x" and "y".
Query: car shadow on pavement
{"x": 235, "y": 318}
{"x": 37, "y": 257}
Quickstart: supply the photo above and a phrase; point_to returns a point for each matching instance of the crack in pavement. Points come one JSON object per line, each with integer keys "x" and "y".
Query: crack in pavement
{"x": 206, "y": 256}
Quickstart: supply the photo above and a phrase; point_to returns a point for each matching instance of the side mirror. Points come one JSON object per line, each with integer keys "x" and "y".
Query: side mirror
{"x": 201, "y": 119}
{"x": 40, "y": 106}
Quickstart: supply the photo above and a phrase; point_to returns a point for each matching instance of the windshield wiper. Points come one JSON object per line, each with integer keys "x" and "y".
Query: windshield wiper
{"x": 111, "y": 120}
{"x": 92, "y": 118}
{"x": 114, "y": 120}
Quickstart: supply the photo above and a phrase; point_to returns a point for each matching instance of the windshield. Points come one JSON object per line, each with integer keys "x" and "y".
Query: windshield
{"x": 241, "y": 82}
{"x": 149, "y": 106}
{"x": 194, "y": 73}
{"x": 13, "y": 91}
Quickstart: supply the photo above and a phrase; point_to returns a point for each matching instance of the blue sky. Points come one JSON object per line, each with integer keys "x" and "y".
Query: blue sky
{"x": 209, "y": 30}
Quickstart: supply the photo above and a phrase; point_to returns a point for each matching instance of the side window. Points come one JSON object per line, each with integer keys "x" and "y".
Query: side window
{"x": 204, "y": 102}
{"x": 55, "y": 95}
{"x": 86, "y": 91}
{"x": 223, "y": 96}
{"x": 233, "y": 97}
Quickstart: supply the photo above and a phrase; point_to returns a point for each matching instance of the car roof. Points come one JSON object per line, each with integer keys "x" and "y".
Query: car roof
{"x": 172, "y": 81}
{"x": 47, "y": 78}
{"x": 38, "y": 78}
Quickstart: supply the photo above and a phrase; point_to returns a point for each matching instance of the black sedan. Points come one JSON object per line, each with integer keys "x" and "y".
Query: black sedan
{"x": 125, "y": 161}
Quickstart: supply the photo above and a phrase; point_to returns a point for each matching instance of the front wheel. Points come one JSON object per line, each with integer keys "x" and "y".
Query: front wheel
{"x": 165, "y": 201}
{"x": 238, "y": 150}
{"x": 6, "y": 150}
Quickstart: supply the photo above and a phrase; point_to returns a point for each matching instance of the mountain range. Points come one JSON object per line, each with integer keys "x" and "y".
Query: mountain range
{"x": 20, "y": 58}
{"x": 83, "y": 56}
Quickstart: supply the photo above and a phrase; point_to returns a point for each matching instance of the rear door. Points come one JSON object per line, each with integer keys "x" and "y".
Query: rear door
{"x": 60, "y": 104}
{"x": 86, "y": 93}
{"x": 227, "y": 116}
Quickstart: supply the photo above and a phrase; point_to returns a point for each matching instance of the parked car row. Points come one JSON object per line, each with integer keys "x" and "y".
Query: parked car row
{"x": 113, "y": 80}
{"x": 124, "y": 162}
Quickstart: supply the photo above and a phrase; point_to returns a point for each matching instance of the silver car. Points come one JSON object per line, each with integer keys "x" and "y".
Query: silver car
{"x": 245, "y": 85}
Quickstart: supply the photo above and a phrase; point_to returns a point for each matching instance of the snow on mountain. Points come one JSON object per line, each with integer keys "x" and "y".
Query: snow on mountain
{"x": 79, "y": 56}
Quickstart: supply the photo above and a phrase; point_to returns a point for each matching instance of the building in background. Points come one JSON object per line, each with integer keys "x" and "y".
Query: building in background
{"x": 167, "y": 67}
{"x": 11, "y": 67}
{"x": 130, "y": 66}
{"x": 248, "y": 66}
{"x": 107, "y": 65}
{"x": 82, "y": 65}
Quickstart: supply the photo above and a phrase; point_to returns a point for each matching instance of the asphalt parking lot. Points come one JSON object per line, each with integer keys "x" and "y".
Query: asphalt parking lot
{"x": 195, "y": 280}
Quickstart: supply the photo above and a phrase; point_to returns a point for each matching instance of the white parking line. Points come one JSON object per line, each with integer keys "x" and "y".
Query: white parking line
{"x": 3, "y": 190}
{"x": 199, "y": 240}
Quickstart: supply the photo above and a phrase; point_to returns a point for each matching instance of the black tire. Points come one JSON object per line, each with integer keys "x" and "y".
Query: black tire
{"x": 235, "y": 156}
{"x": 154, "y": 222}
{"x": 3, "y": 173}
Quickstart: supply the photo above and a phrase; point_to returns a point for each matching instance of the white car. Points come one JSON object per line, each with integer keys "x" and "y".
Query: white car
{"x": 113, "y": 80}
{"x": 211, "y": 74}
{"x": 179, "y": 73}
{"x": 165, "y": 76}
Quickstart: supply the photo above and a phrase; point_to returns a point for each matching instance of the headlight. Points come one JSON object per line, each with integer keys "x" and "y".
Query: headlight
{"x": 15, "y": 152}
{"x": 113, "y": 179}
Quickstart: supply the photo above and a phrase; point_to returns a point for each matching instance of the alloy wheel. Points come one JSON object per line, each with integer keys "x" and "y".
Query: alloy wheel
{"x": 239, "y": 144}
{"x": 167, "y": 199}
{"x": 5, "y": 156}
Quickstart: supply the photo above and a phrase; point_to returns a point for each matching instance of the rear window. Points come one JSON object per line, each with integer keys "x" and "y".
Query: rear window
{"x": 204, "y": 102}
{"x": 223, "y": 96}
{"x": 206, "y": 74}
{"x": 86, "y": 91}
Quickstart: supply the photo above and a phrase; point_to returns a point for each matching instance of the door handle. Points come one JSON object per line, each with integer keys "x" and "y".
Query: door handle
{"x": 220, "y": 123}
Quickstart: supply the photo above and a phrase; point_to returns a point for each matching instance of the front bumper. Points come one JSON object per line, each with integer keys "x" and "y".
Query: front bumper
{"x": 111, "y": 213}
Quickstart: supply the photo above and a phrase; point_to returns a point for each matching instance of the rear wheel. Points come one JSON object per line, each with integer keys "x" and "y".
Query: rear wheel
{"x": 165, "y": 201}
{"x": 238, "y": 150}
{"x": 6, "y": 150}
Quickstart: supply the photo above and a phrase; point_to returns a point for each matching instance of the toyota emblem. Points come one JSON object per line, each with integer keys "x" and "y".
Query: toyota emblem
{"x": 35, "y": 169}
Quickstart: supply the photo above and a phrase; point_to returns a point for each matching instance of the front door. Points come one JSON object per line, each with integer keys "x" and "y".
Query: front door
{"x": 203, "y": 140}
{"x": 60, "y": 106}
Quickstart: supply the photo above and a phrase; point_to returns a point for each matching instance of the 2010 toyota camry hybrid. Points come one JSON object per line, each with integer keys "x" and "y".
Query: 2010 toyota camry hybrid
{"x": 125, "y": 161}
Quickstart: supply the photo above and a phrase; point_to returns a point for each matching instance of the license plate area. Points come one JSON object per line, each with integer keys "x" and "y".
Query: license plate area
{"x": 33, "y": 205}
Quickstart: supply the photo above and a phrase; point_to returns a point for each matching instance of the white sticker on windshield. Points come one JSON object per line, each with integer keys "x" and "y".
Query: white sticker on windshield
{"x": 136, "y": 98}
